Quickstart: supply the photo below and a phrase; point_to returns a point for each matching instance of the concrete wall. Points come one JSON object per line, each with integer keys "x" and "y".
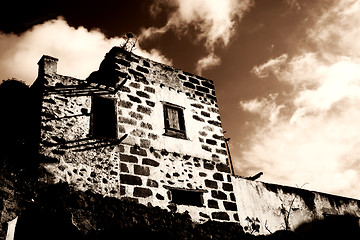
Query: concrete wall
{"x": 267, "y": 205}
{"x": 146, "y": 165}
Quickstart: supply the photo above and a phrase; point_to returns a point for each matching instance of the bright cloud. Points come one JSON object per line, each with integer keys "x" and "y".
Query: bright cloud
{"x": 213, "y": 20}
{"x": 315, "y": 139}
{"x": 79, "y": 50}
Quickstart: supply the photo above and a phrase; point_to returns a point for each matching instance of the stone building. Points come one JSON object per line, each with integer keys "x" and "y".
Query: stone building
{"x": 137, "y": 129}
{"x": 144, "y": 131}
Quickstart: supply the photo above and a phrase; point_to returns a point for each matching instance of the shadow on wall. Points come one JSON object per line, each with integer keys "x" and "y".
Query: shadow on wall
{"x": 59, "y": 212}
{"x": 331, "y": 227}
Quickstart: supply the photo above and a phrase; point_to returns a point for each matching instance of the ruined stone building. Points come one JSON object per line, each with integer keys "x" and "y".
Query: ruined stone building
{"x": 148, "y": 132}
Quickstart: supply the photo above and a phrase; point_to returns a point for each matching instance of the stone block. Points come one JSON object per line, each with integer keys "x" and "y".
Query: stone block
{"x": 211, "y": 184}
{"x": 134, "y": 99}
{"x": 197, "y": 105}
{"x": 213, "y": 204}
{"x": 142, "y": 94}
{"x": 222, "y": 167}
{"x": 199, "y": 93}
{"x": 141, "y": 170}
{"x": 202, "y": 174}
{"x": 150, "y": 103}
{"x": 149, "y": 89}
{"x": 152, "y": 183}
{"x": 153, "y": 136}
{"x": 218, "y": 137}
{"x": 189, "y": 85}
{"x": 125, "y": 89}
{"x": 160, "y": 197}
{"x": 218, "y": 195}
{"x": 215, "y": 123}
{"x": 221, "y": 151}
{"x": 146, "y": 125}
{"x": 144, "y": 110}
{"x": 125, "y": 120}
{"x": 208, "y": 165}
{"x": 231, "y": 206}
{"x": 138, "y": 151}
{"x": 197, "y": 118}
{"x": 150, "y": 162}
{"x": 138, "y": 133}
{"x": 227, "y": 187}
{"x": 207, "y": 84}
{"x": 125, "y": 104}
{"x": 218, "y": 176}
{"x": 146, "y": 63}
{"x": 136, "y": 74}
{"x": 194, "y": 81}
{"x": 220, "y": 216}
{"x": 123, "y": 62}
{"x": 134, "y": 85}
{"x": 128, "y": 158}
{"x": 124, "y": 168}
{"x": 144, "y": 143}
{"x": 135, "y": 115}
{"x": 182, "y": 77}
{"x": 142, "y": 69}
{"x": 206, "y": 148}
{"x": 202, "y": 89}
{"x": 130, "y": 179}
{"x": 142, "y": 192}
{"x": 205, "y": 114}
{"x": 211, "y": 142}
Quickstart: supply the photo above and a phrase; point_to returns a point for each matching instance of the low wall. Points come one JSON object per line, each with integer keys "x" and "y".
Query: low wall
{"x": 265, "y": 207}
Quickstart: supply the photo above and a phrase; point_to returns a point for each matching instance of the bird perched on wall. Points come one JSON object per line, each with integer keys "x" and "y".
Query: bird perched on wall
{"x": 253, "y": 178}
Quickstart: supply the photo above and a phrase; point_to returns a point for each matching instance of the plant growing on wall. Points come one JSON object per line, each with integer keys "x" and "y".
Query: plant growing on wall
{"x": 253, "y": 225}
{"x": 287, "y": 212}
{"x": 129, "y": 42}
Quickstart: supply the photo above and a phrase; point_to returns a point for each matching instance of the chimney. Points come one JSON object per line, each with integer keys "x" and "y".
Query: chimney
{"x": 47, "y": 65}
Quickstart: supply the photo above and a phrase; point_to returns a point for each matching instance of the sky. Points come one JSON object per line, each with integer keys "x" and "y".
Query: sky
{"x": 286, "y": 72}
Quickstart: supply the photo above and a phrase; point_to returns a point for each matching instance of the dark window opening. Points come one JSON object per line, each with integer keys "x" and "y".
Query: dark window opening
{"x": 174, "y": 121}
{"x": 103, "y": 122}
{"x": 186, "y": 197}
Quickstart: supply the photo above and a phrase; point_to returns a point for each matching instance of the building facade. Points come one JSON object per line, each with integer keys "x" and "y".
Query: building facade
{"x": 144, "y": 131}
{"x": 137, "y": 129}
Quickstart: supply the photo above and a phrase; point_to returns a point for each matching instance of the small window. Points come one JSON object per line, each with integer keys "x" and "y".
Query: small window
{"x": 187, "y": 197}
{"x": 103, "y": 117}
{"x": 174, "y": 121}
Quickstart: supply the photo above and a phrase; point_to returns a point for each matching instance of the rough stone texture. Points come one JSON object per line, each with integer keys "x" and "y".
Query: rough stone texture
{"x": 142, "y": 163}
{"x": 144, "y": 157}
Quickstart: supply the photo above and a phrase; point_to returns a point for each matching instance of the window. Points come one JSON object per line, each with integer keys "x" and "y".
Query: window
{"x": 174, "y": 121}
{"x": 187, "y": 197}
{"x": 103, "y": 117}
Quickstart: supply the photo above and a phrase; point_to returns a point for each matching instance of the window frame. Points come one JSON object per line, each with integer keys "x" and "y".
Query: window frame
{"x": 92, "y": 125}
{"x": 173, "y": 132}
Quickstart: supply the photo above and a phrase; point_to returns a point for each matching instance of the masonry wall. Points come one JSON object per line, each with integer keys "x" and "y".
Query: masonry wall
{"x": 142, "y": 164}
{"x": 265, "y": 207}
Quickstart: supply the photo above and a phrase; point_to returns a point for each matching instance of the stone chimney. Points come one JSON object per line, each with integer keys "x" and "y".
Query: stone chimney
{"x": 47, "y": 65}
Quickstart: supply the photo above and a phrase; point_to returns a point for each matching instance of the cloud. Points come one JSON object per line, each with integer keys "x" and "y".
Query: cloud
{"x": 271, "y": 66}
{"x": 207, "y": 62}
{"x": 267, "y": 107}
{"x": 214, "y": 22}
{"x": 79, "y": 50}
{"x": 314, "y": 138}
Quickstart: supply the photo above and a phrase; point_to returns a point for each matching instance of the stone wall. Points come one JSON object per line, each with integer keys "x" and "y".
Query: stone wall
{"x": 269, "y": 207}
{"x": 142, "y": 164}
